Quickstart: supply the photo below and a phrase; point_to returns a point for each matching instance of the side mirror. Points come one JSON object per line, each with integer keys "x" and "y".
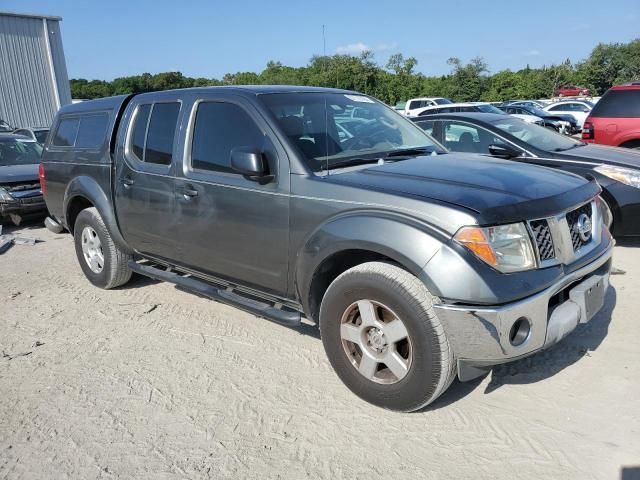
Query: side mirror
{"x": 503, "y": 151}
{"x": 251, "y": 163}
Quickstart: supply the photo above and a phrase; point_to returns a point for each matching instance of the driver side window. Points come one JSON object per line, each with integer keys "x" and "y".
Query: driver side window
{"x": 468, "y": 138}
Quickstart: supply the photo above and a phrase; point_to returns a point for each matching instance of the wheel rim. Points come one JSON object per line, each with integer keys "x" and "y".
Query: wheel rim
{"x": 92, "y": 249}
{"x": 376, "y": 342}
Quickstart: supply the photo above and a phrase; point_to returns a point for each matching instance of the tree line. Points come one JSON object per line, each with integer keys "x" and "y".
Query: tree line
{"x": 607, "y": 65}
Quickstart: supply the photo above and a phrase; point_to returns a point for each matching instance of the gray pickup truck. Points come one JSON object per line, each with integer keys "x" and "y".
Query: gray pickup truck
{"x": 416, "y": 264}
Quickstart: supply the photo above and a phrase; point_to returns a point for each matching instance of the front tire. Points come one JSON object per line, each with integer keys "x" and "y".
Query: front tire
{"x": 383, "y": 337}
{"x": 103, "y": 263}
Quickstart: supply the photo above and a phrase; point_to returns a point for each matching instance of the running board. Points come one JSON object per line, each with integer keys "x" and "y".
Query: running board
{"x": 262, "y": 309}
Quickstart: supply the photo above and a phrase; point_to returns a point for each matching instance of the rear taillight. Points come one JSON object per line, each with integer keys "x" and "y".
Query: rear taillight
{"x": 43, "y": 185}
{"x": 587, "y": 131}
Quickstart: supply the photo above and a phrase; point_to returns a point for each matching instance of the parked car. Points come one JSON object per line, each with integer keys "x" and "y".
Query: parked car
{"x": 39, "y": 134}
{"x": 578, "y": 109}
{"x": 5, "y": 127}
{"x": 20, "y": 195}
{"x": 615, "y": 119}
{"x": 414, "y": 104}
{"x": 458, "y": 107}
{"x": 616, "y": 170}
{"x": 571, "y": 91}
{"x": 249, "y": 196}
{"x": 561, "y": 123}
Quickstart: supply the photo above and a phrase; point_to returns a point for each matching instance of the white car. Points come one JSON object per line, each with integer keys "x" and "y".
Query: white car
{"x": 414, "y": 104}
{"x": 484, "y": 107}
{"x": 579, "y": 109}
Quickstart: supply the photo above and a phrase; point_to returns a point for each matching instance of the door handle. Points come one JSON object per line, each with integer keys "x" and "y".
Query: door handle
{"x": 128, "y": 182}
{"x": 189, "y": 193}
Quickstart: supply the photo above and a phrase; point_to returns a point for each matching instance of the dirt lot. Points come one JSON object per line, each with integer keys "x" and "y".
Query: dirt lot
{"x": 152, "y": 382}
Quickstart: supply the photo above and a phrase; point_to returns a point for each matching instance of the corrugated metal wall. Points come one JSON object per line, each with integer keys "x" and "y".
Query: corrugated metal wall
{"x": 28, "y": 96}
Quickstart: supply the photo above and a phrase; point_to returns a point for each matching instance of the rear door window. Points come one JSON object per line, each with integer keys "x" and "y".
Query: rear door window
{"x": 618, "y": 104}
{"x": 153, "y": 133}
{"x": 66, "y": 132}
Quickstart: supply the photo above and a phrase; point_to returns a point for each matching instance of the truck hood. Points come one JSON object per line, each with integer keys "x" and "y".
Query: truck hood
{"x": 598, "y": 154}
{"x": 497, "y": 191}
{"x": 18, "y": 173}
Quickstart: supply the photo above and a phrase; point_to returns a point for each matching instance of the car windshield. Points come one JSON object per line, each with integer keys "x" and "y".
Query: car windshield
{"x": 537, "y": 136}
{"x": 487, "y": 108}
{"x": 332, "y": 130}
{"x": 537, "y": 112}
{"x": 41, "y": 135}
{"x": 19, "y": 152}
{"x": 442, "y": 101}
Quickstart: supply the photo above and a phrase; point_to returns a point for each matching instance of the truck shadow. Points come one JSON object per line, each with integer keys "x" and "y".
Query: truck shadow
{"x": 584, "y": 339}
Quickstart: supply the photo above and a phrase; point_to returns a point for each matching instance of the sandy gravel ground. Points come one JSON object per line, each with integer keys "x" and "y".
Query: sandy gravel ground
{"x": 152, "y": 382}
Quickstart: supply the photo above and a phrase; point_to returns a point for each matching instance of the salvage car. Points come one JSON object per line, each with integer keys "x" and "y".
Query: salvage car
{"x": 416, "y": 264}
{"x": 20, "y": 195}
{"x": 617, "y": 170}
{"x": 39, "y": 134}
{"x": 565, "y": 124}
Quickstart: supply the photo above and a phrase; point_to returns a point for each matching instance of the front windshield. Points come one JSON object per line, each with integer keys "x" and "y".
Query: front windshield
{"x": 442, "y": 101}
{"x": 334, "y": 129}
{"x": 537, "y": 112}
{"x": 535, "y": 135}
{"x": 487, "y": 108}
{"x": 19, "y": 152}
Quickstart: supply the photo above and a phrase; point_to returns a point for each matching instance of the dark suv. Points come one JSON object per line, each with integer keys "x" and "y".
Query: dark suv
{"x": 416, "y": 264}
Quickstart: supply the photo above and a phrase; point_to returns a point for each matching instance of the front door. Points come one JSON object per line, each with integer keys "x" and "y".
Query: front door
{"x": 145, "y": 176}
{"x": 232, "y": 226}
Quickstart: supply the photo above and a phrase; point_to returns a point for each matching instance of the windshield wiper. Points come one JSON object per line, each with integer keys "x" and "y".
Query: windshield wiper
{"x": 569, "y": 148}
{"x": 407, "y": 152}
{"x": 353, "y": 162}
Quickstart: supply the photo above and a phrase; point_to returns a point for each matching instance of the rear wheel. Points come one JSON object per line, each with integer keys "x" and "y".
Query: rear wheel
{"x": 384, "y": 339}
{"x": 103, "y": 263}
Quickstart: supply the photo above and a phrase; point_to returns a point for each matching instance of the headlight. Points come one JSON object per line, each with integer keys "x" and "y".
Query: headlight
{"x": 605, "y": 211}
{"x": 620, "y": 174}
{"x": 5, "y": 196}
{"x": 506, "y": 248}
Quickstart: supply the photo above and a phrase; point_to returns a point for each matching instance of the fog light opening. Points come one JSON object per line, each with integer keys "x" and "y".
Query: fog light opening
{"x": 519, "y": 331}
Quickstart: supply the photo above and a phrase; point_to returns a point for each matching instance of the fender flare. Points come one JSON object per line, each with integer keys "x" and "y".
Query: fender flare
{"x": 403, "y": 239}
{"x": 88, "y": 188}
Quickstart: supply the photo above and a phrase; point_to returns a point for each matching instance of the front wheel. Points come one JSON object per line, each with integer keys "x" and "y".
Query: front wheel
{"x": 101, "y": 260}
{"x": 383, "y": 337}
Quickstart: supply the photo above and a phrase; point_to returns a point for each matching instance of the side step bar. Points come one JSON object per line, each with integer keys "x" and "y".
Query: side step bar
{"x": 262, "y": 309}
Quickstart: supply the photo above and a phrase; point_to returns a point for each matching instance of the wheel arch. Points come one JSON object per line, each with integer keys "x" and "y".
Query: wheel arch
{"x": 350, "y": 240}
{"x": 85, "y": 192}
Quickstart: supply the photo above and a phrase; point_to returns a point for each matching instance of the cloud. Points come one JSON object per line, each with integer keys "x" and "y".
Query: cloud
{"x": 359, "y": 47}
{"x": 533, "y": 53}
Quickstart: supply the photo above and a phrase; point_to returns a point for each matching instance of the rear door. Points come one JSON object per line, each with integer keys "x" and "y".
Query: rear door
{"x": 231, "y": 226}
{"x": 145, "y": 175}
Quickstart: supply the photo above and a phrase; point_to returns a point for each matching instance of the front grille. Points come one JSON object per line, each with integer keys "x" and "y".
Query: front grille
{"x": 23, "y": 186}
{"x": 544, "y": 241}
{"x": 581, "y": 230}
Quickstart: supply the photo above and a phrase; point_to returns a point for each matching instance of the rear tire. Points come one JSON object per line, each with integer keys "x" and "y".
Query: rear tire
{"x": 103, "y": 263}
{"x": 420, "y": 366}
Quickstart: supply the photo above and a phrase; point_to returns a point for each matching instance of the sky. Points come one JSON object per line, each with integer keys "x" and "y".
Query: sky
{"x": 114, "y": 38}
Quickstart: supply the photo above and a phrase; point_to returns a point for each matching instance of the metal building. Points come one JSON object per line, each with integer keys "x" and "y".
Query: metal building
{"x": 33, "y": 73}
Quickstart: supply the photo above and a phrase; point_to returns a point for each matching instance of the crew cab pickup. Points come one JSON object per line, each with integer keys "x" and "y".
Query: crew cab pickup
{"x": 416, "y": 264}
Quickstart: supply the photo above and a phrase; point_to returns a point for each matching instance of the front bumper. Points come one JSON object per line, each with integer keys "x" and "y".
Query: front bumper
{"x": 23, "y": 206}
{"x": 485, "y": 336}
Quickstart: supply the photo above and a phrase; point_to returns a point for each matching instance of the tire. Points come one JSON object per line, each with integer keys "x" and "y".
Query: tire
{"x": 109, "y": 271}
{"x": 429, "y": 366}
